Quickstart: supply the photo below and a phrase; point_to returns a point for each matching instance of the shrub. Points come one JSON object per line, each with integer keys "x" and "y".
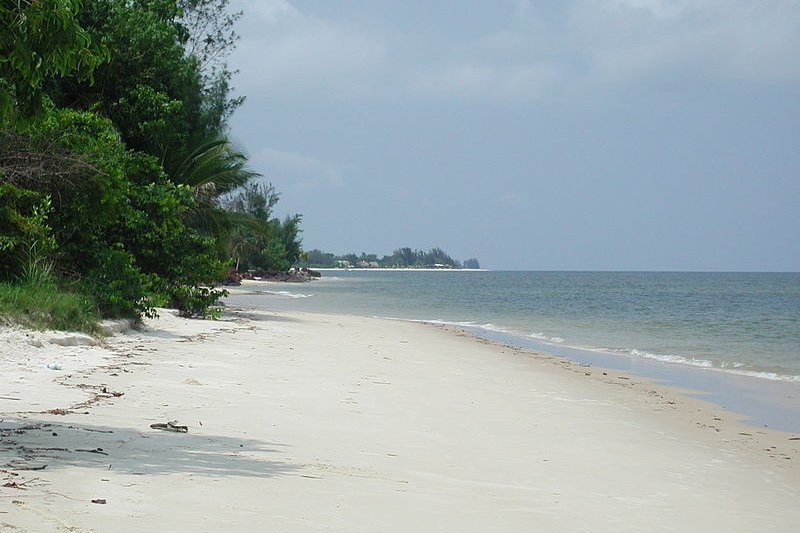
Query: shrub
{"x": 197, "y": 301}
{"x": 25, "y": 237}
{"x": 118, "y": 221}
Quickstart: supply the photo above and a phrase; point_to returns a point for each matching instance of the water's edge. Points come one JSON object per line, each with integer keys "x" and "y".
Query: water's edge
{"x": 734, "y": 338}
{"x": 767, "y": 403}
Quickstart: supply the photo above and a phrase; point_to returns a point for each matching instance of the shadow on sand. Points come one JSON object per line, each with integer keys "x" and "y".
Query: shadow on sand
{"x": 29, "y": 444}
{"x": 249, "y": 314}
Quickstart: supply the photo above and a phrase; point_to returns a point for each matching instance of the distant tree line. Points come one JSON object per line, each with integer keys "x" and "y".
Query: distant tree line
{"x": 400, "y": 258}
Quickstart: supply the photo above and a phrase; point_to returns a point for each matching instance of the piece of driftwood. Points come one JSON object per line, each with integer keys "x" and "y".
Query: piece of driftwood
{"x": 171, "y": 426}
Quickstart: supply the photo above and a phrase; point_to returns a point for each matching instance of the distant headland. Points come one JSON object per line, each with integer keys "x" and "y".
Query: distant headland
{"x": 400, "y": 259}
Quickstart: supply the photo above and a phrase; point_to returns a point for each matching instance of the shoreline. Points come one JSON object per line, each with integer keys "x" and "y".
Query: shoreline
{"x": 314, "y": 422}
{"x": 763, "y": 400}
{"x": 398, "y": 269}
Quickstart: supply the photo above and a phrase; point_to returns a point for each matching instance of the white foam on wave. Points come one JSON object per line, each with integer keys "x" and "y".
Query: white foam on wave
{"x": 764, "y": 375}
{"x": 455, "y": 323}
{"x": 724, "y": 366}
{"x": 664, "y": 358}
{"x": 732, "y": 367}
{"x": 545, "y": 338}
{"x": 287, "y": 294}
{"x": 466, "y": 324}
{"x": 492, "y": 327}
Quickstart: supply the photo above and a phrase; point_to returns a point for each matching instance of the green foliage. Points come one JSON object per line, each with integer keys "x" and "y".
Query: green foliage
{"x": 406, "y": 257}
{"x": 127, "y": 242}
{"x": 47, "y": 307}
{"x": 197, "y": 302}
{"x": 211, "y": 38}
{"x": 272, "y": 257}
{"x": 166, "y": 86}
{"x": 116, "y": 283}
{"x": 91, "y": 198}
{"x": 318, "y": 258}
{"x": 268, "y": 242}
{"x": 25, "y": 237}
{"x": 150, "y": 119}
{"x": 255, "y": 199}
{"x": 90, "y": 204}
{"x": 164, "y": 254}
{"x": 214, "y": 168}
{"x": 41, "y": 39}
{"x": 115, "y": 186}
{"x": 287, "y": 233}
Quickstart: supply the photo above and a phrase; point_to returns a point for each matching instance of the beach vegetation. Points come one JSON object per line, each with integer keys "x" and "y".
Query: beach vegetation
{"x": 116, "y": 164}
{"x": 263, "y": 241}
{"x": 46, "y": 306}
{"x": 41, "y": 40}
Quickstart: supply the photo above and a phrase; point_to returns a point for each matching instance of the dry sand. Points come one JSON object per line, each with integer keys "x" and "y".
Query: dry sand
{"x": 301, "y": 422}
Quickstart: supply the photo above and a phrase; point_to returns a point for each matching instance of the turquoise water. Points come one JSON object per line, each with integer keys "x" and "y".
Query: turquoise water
{"x": 745, "y": 323}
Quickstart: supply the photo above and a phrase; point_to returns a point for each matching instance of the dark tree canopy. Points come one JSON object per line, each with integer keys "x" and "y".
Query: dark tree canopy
{"x": 39, "y": 40}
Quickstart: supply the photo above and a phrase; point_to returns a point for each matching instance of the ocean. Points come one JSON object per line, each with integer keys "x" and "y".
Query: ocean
{"x": 733, "y": 337}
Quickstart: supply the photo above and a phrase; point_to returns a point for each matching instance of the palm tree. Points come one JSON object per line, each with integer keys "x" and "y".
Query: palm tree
{"x": 213, "y": 169}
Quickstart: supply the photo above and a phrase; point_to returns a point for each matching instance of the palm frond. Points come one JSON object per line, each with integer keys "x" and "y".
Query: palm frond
{"x": 215, "y": 168}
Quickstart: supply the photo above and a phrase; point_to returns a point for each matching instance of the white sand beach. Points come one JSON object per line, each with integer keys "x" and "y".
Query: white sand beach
{"x": 301, "y": 423}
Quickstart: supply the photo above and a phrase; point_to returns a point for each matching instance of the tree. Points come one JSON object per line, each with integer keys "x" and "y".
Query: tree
{"x": 472, "y": 263}
{"x": 287, "y": 232}
{"x": 211, "y": 38}
{"x": 268, "y": 242}
{"x": 150, "y": 89}
{"x": 213, "y": 170}
{"x": 211, "y": 35}
{"x": 124, "y": 166}
{"x": 319, "y": 258}
{"x": 167, "y": 85}
{"x": 254, "y": 199}
{"x": 41, "y": 39}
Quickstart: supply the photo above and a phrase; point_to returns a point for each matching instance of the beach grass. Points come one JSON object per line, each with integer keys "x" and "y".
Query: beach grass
{"x": 46, "y": 306}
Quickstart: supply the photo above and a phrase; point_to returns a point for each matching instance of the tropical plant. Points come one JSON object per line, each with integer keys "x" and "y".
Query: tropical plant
{"x": 113, "y": 173}
{"x": 26, "y": 239}
{"x": 41, "y": 39}
{"x": 267, "y": 242}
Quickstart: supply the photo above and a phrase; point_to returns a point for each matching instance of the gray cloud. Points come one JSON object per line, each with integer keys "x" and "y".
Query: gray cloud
{"x": 629, "y": 40}
{"x": 587, "y": 44}
{"x": 298, "y": 174}
{"x": 285, "y": 51}
{"x": 532, "y": 134}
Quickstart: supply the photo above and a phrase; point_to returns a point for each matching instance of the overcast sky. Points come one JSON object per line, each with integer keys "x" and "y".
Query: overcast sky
{"x": 545, "y": 135}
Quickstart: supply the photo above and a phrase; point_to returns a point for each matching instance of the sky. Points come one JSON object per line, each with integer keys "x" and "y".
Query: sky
{"x": 533, "y": 135}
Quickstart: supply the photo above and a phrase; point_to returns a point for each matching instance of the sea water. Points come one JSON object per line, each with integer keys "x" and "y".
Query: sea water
{"x": 652, "y": 323}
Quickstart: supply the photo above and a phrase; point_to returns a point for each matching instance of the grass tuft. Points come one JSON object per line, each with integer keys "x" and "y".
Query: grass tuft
{"x": 45, "y": 306}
